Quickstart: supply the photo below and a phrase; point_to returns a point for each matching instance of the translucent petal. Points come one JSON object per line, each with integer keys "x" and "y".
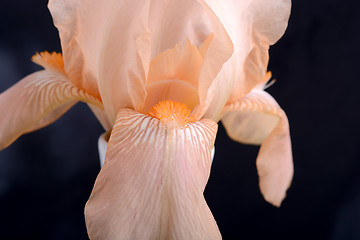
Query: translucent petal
{"x": 214, "y": 91}
{"x": 106, "y": 45}
{"x": 172, "y": 22}
{"x": 252, "y": 27}
{"x": 174, "y": 75}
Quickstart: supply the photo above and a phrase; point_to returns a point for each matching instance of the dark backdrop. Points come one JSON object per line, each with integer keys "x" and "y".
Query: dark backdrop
{"x": 46, "y": 176}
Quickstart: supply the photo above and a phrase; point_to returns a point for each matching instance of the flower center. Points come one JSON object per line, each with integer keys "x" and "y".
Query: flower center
{"x": 172, "y": 113}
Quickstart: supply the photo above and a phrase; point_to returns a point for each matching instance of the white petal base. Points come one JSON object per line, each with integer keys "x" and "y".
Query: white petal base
{"x": 102, "y": 146}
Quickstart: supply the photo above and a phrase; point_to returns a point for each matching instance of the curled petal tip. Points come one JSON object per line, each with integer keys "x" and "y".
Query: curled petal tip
{"x": 258, "y": 119}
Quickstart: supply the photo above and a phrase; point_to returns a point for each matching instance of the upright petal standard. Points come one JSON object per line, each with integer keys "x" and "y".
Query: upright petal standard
{"x": 159, "y": 75}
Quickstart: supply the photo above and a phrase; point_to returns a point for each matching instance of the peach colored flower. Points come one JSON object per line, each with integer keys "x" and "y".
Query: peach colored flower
{"x": 159, "y": 75}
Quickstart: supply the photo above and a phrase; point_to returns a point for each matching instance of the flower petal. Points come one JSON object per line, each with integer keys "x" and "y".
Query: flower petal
{"x": 151, "y": 185}
{"x": 173, "y": 21}
{"x": 252, "y": 27}
{"x": 106, "y": 44}
{"x": 173, "y": 75}
{"x": 214, "y": 91}
{"x": 71, "y": 29}
{"x": 258, "y": 119}
{"x": 36, "y": 101}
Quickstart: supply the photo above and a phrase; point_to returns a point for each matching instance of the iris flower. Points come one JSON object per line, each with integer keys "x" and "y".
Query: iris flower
{"x": 159, "y": 75}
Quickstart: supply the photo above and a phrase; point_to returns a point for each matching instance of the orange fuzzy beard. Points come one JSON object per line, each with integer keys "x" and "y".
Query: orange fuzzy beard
{"x": 172, "y": 113}
{"x": 49, "y": 60}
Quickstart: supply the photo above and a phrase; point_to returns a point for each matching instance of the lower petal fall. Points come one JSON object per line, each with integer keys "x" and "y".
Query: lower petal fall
{"x": 151, "y": 185}
{"x": 36, "y": 101}
{"x": 258, "y": 119}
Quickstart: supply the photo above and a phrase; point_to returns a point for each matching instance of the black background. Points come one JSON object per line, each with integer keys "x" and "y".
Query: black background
{"x": 46, "y": 176}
